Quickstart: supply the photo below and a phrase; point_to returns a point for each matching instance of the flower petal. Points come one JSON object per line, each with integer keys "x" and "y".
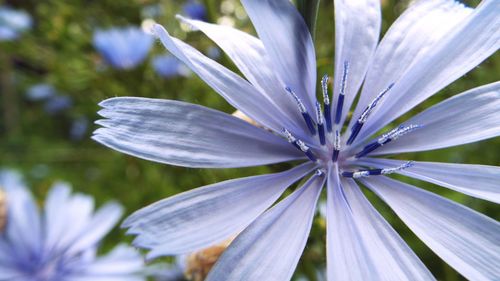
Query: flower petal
{"x": 249, "y": 55}
{"x": 122, "y": 262}
{"x": 270, "y": 248}
{"x": 468, "y": 117}
{"x": 236, "y": 90}
{"x": 206, "y": 216}
{"x": 408, "y": 40}
{"x": 288, "y": 43}
{"x": 475, "y": 180}
{"x": 361, "y": 244}
{"x": 184, "y": 134}
{"x": 357, "y": 30}
{"x": 467, "y": 45}
{"x": 465, "y": 239}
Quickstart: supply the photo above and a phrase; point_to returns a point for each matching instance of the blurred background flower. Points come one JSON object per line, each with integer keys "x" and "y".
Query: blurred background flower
{"x": 169, "y": 66}
{"x": 194, "y": 10}
{"x": 13, "y": 23}
{"x": 123, "y": 48}
{"x": 61, "y": 242}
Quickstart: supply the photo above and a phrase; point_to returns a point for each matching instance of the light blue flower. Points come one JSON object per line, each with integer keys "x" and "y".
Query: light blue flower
{"x": 123, "y": 48}
{"x": 13, "y": 23}
{"x": 169, "y": 66}
{"x": 194, "y": 10}
{"x": 40, "y": 92}
{"x": 79, "y": 128}
{"x": 431, "y": 45}
{"x": 60, "y": 242}
{"x": 57, "y": 104}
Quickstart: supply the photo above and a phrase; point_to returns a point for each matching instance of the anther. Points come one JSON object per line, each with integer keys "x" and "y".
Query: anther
{"x": 340, "y": 102}
{"x": 397, "y": 169}
{"x": 336, "y": 146}
{"x": 303, "y": 111}
{"x": 291, "y": 139}
{"x": 376, "y": 172}
{"x": 326, "y": 103}
{"x": 356, "y": 128}
{"x": 321, "y": 126}
{"x": 307, "y": 151}
{"x": 392, "y": 135}
{"x": 319, "y": 172}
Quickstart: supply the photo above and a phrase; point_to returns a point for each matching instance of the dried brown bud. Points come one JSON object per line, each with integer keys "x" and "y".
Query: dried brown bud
{"x": 200, "y": 263}
{"x": 3, "y": 209}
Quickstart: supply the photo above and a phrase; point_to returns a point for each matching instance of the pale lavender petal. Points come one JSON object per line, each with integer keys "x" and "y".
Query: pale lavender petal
{"x": 206, "y": 216}
{"x": 23, "y": 230}
{"x": 288, "y": 43}
{"x": 468, "y": 117}
{"x": 184, "y": 134}
{"x": 475, "y": 180}
{"x": 467, "y": 45}
{"x": 63, "y": 209}
{"x": 466, "y": 240}
{"x": 357, "y": 30}
{"x": 122, "y": 262}
{"x": 409, "y": 39}
{"x": 236, "y": 90}
{"x": 249, "y": 55}
{"x": 270, "y": 248}
{"x": 100, "y": 224}
{"x": 361, "y": 244}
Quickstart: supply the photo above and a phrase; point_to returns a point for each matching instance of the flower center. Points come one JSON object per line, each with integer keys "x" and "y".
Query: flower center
{"x": 329, "y": 149}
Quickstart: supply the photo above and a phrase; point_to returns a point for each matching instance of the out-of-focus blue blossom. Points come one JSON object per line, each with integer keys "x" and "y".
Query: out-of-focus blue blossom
{"x": 169, "y": 66}
{"x": 195, "y": 10}
{"x": 13, "y": 23}
{"x": 123, "y": 48}
{"x": 79, "y": 128}
{"x": 40, "y": 92}
{"x": 60, "y": 243}
{"x": 57, "y": 104}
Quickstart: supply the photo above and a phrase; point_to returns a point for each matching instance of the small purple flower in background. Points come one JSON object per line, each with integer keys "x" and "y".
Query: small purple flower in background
{"x": 60, "y": 243}
{"x": 169, "y": 66}
{"x": 40, "y": 92}
{"x": 123, "y": 48}
{"x": 53, "y": 102}
{"x": 13, "y": 23}
{"x": 195, "y": 10}
{"x": 431, "y": 45}
{"x": 57, "y": 104}
{"x": 79, "y": 128}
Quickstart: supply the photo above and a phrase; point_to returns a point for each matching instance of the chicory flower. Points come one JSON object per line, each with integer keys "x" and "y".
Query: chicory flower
{"x": 431, "y": 45}
{"x": 123, "y": 48}
{"x": 13, "y": 23}
{"x": 60, "y": 243}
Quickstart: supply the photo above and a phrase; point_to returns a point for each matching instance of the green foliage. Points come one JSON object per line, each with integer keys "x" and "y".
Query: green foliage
{"x": 59, "y": 51}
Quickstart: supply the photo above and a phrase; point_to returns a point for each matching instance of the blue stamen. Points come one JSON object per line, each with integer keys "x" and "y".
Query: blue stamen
{"x": 307, "y": 151}
{"x": 321, "y": 126}
{"x": 336, "y": 147}
{"x": 307, "y": 118}
{"x": 386, "y": 138}
{"x": 356, "y": 128}
{"x": 354, "y": 132}
{"x": 326, "y": 103}
{"x": 340, "y": 102}
{"x": 376, "y": 172}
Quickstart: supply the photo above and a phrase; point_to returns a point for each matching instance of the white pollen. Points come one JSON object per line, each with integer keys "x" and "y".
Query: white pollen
{"x": 397, "y": 169}
{"x": 360, "y": 174}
